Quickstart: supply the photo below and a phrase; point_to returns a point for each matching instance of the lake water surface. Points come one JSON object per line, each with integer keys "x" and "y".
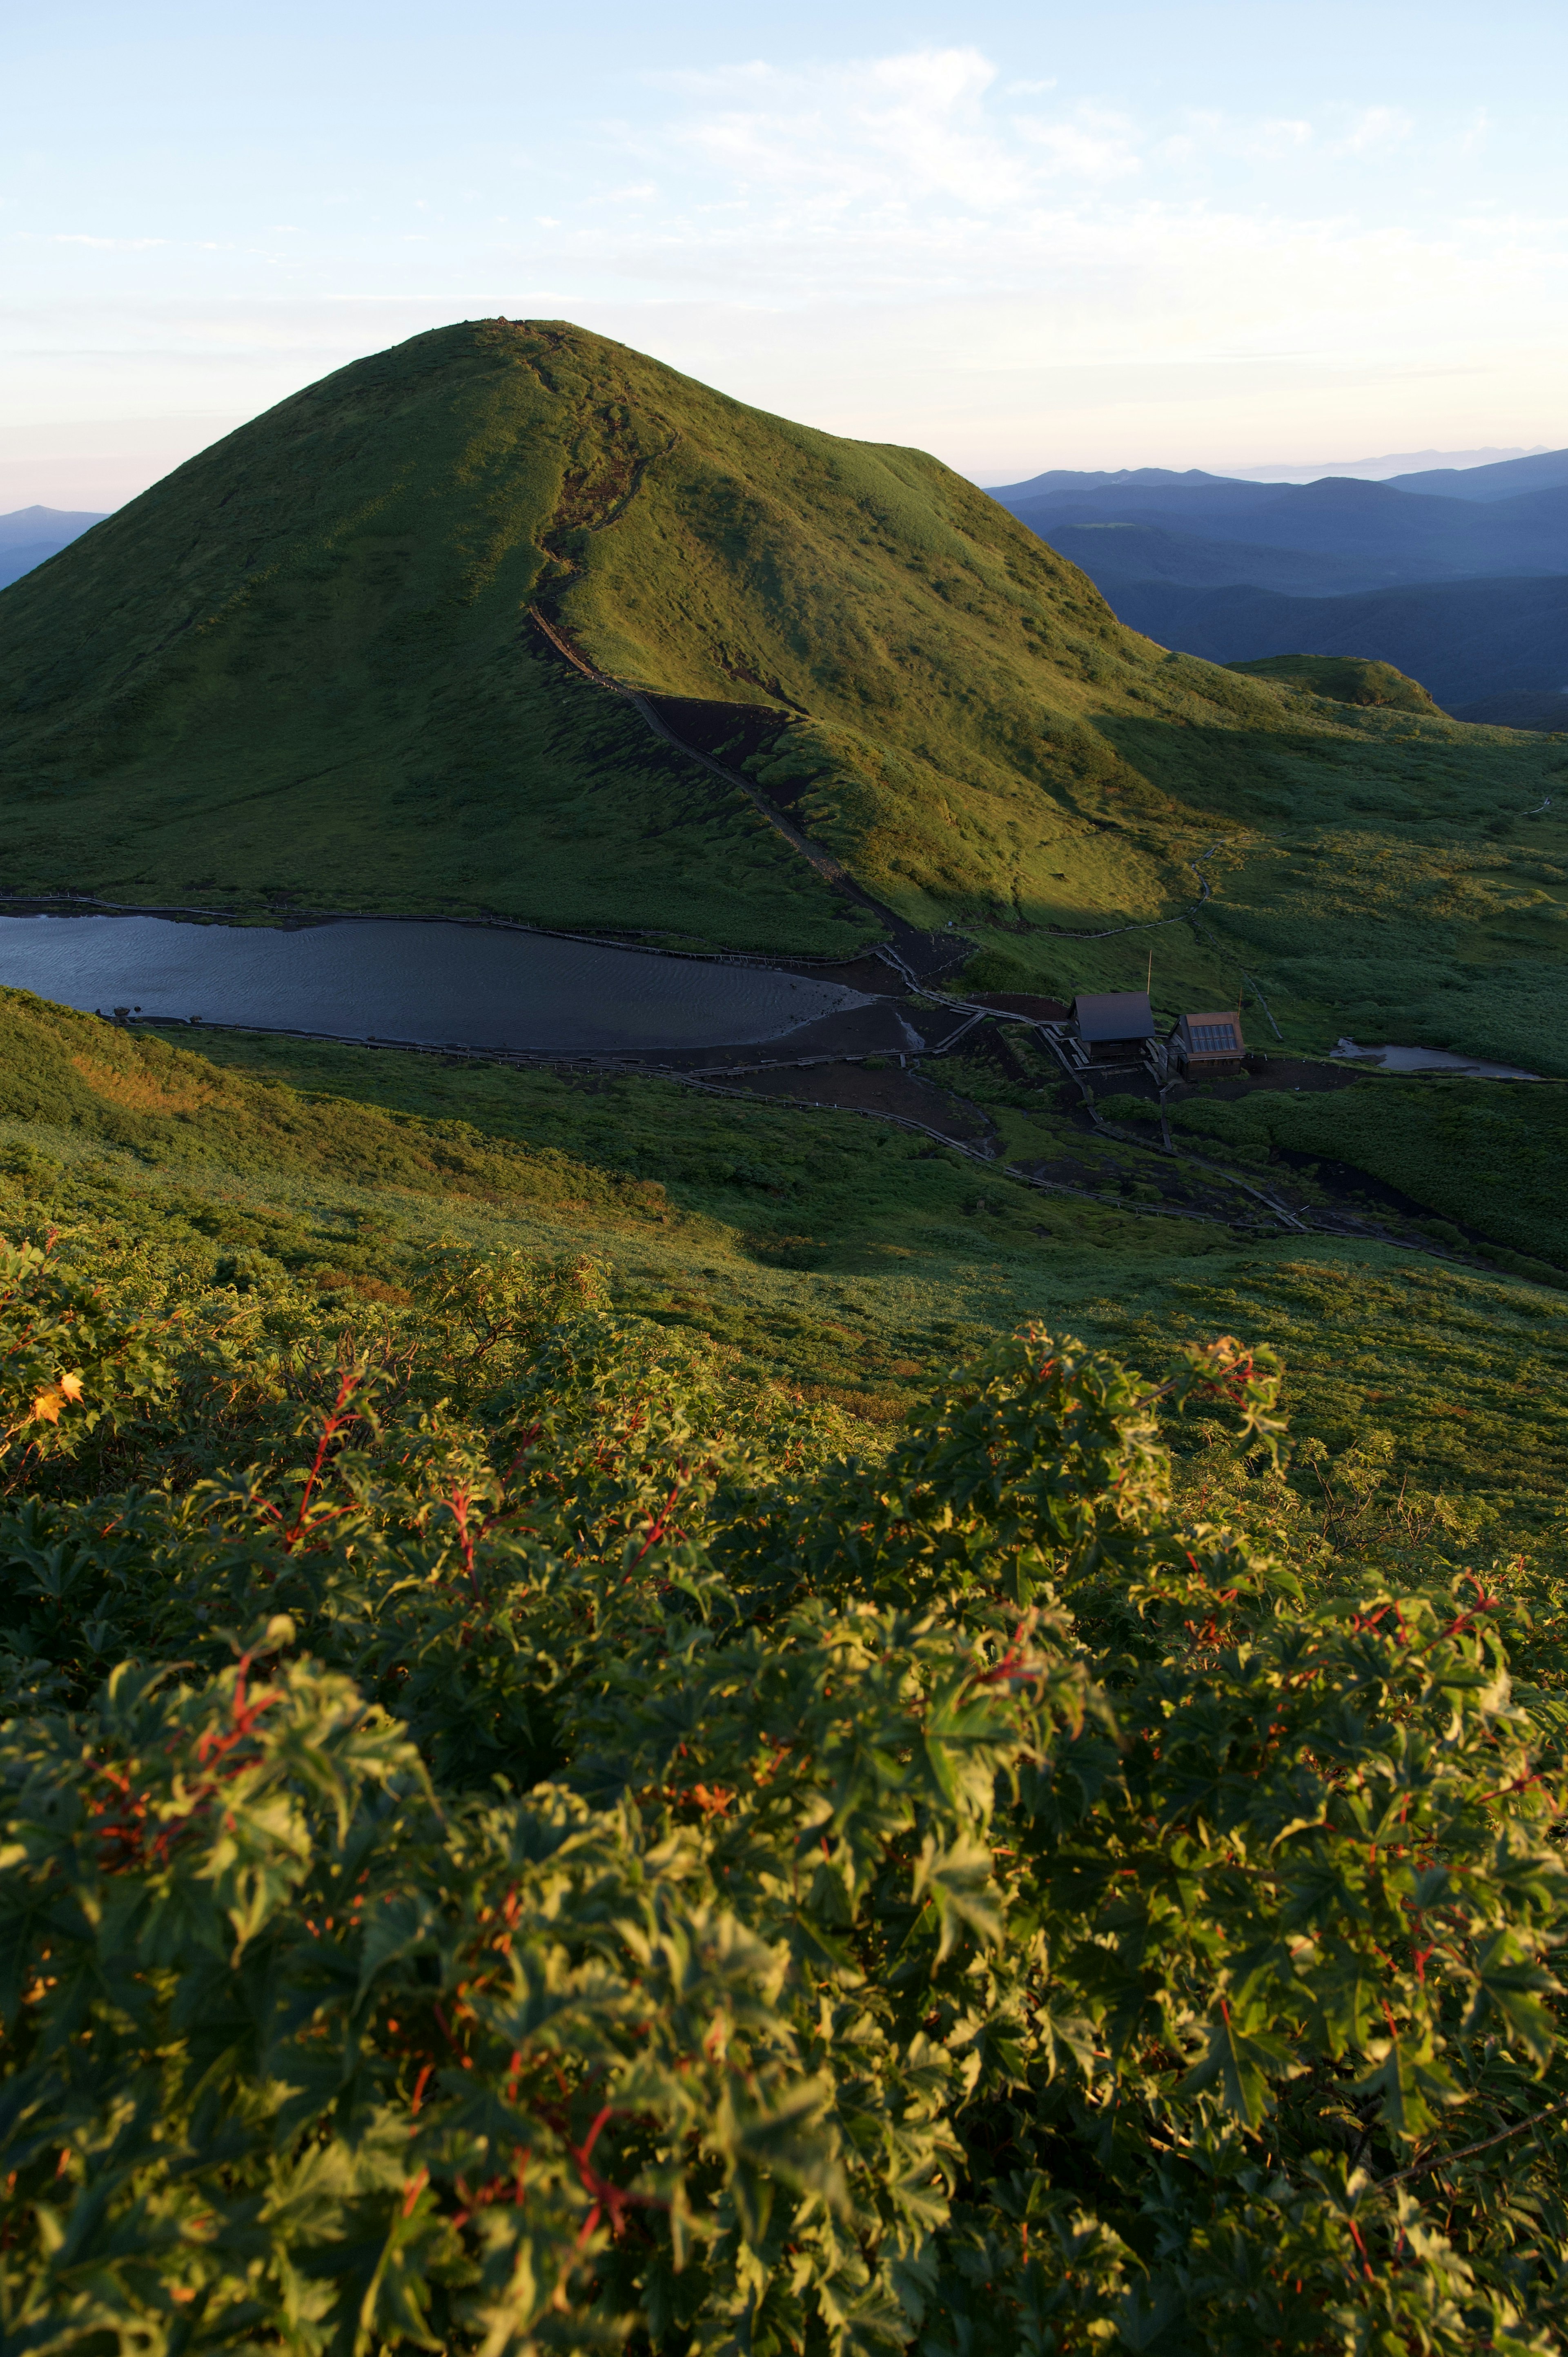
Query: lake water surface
{"x": 1429, "y": 1059}
{"x": 389, "y": 978}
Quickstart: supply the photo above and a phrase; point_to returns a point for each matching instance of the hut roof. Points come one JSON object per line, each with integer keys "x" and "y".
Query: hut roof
{"x": 1214, "y": 1033}
{"x": 1113, "y": 1015}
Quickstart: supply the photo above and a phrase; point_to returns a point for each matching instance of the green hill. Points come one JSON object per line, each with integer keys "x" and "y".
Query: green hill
{"x": 1344, "y": 679}
{"x": 307, "y": 668}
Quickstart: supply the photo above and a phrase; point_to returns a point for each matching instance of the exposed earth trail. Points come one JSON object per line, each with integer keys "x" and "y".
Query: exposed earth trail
{"x": 913, "y": 953}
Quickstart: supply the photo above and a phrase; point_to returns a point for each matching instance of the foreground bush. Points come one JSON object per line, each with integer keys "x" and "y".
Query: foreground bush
{"x": 527, "y": 1848}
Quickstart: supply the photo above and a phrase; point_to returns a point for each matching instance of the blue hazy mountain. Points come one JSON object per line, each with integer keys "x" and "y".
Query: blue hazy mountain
{"x": 1459, "y": 577}
{"x": 1467, "y": 641}
{"x": 28, "y": 536}
{"x": 1545, "y": 471}
{"x": 1393, "y": 535}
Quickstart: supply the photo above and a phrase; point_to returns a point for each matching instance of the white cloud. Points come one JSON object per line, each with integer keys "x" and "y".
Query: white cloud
{"x": 107, "y": 244}
{"x": 1209, "y": 137}
{"x": 1275, "y": 135}
{"x": 1091, "y": 148}
{"x": 885, "y": 130}
{"x": 1375, "y": 130}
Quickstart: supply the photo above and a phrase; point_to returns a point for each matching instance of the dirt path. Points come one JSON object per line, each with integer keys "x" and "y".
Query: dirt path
{"x": 919, "y": 956}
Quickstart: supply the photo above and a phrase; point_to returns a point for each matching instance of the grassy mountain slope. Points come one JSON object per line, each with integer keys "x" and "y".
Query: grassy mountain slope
{"x": 304, "y": 667}
{"x": 844, "y": 1260}
{"x": 301, "y": 667}
{"x": 306, "y": 656}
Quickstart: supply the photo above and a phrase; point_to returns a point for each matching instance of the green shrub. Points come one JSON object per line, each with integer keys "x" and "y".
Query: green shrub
{"x": 530, "y": 1846}
{"x": 995, "y": 970}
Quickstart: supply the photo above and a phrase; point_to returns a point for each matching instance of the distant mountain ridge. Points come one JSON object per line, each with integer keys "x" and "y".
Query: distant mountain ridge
{"x": 29, "y": 536}
{"x": 1543, "y": 470}
{"x": 1233, "y": 570}
{"x": 1069, "y": 478}
{"x": 1389, "y": 466}
{"x": 1540, "y": 470}
{"x": 1464, "y": 640}
{"x": 1148, "y": 552}
{"x": 28, "y": 526}
{"x": 1399, "y": 535}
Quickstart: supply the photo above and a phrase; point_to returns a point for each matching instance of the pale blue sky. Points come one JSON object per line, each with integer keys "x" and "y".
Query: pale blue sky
{"x": 1021, "y": 237}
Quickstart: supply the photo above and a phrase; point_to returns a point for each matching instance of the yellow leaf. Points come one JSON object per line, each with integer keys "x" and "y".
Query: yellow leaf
{"x": 47, "y": 1408}
{"x": 71, "y": 1386}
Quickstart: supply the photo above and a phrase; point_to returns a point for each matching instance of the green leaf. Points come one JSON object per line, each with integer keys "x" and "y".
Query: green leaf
{"x": 957, "y": 1878}
{"x": 1410, "y": 2083}
{"x": 1241, "y": 2060}
{"x": 1510, "y": 1989}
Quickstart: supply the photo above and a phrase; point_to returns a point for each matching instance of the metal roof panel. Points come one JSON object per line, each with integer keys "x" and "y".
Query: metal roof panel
{"x": 1113, "y": 1015}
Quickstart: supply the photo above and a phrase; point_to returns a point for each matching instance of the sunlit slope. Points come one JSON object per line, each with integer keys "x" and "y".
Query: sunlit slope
{"x": 306, "y": 665}
{"x": 301, "y": 667}
{"x": 1343, "y": 679}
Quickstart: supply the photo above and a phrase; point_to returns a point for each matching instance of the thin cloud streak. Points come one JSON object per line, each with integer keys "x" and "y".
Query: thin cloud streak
{"x": 913, "y": 247}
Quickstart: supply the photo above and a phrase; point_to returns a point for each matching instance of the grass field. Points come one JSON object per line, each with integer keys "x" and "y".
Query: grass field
{"x": 846, "y": 1260}
{"x": 302, "y": 671}
{"x": 1489, "y": 1159}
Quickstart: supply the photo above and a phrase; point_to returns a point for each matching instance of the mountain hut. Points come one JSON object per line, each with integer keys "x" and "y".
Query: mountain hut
{"x": 1110, "y": 1027}
{"x": 1208, "y": 1043}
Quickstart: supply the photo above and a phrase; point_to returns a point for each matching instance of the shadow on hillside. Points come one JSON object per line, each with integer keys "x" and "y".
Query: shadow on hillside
{"x": 1311, "y": 777}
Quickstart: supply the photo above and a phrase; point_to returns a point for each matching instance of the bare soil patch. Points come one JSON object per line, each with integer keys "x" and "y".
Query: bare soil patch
{"x": 906, "y": 1095}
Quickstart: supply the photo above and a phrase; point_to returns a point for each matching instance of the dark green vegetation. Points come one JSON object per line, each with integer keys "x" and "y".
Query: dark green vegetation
{"x": 1387, "y": 925}
{"x": 518, "y": 1839}
{"x": 304, "y": 667}
{"x": 1490, "y": 1159}
{"x": 597, "y": 1791}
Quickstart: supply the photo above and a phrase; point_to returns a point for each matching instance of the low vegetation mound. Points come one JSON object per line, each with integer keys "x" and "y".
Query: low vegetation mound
{"x": 509, "y": 1845}
{"x": 1343, "y": 679}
